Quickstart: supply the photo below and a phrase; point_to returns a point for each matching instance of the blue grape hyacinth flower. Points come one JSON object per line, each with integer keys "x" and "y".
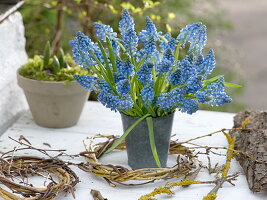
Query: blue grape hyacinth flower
{"x": 88, "y": 82}
{"x": 144, "y": 74}
{"x": 125, "y": 68}
{"x": 188, "y": 106}
{"x": 104, "y": 31}
{"x": 214, "y": 94}
{"x": 195, "y": 34}
{"x": 125, "y": 102}
{"x": 169, "y": 100}
{"x": 129, "y": 36}
{"x": 123, "y": 86}
{"x": 81, "y": 47}
{"x": 148, "y": 93}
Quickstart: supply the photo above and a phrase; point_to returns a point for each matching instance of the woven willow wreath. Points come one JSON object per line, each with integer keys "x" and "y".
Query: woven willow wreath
{"x": 25, "y": 167}
{"x": 119, "y": 174}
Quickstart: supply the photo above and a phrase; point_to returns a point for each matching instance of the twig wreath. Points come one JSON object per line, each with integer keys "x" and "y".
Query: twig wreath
{"x": 25, "y": 167}
{"x": 118, "y": 174}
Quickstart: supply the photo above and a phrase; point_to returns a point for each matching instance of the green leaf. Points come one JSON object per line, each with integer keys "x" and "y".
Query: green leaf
{"x": 163, "y": 38}
{"x": 149, "y": 121}
{"x": 110, "y": 74}
{"x": 232, "y": 85}
{"x": 102, "y": 68}
{"x": 117, "y": 142}
{"x": 47, "y": 54}
{"x": 122, "y": 47}
{"x": 56, "y": 64}
{"x": 140, "y": 63}
{"x": 61, "y": 58}
{"x": 111, "y": 54}
{"x": 176, "y": 54}
{"x": 213, "y": 79}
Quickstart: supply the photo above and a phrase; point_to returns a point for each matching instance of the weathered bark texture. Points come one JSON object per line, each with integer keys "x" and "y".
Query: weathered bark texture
{"x": 253, "y": 141}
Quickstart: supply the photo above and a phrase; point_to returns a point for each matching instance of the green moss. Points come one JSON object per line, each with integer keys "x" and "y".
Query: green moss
{"x": 35, "y": 69}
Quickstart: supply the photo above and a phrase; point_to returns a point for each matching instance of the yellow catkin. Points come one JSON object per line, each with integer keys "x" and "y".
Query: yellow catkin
{"x": 160, "y": 190}
{"x": 230, "y": 154}
{"x": 183, "y": 183}
{"x": 145, "y": 197}
{"x": 211, "y": 196}
{"x": 245, "y": 122}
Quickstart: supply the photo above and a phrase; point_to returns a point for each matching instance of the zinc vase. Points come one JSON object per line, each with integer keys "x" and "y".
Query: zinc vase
{"x": 137, "y": 142}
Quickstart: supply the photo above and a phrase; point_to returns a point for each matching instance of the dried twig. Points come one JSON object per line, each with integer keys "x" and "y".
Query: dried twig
{"x": 231, "y": 152}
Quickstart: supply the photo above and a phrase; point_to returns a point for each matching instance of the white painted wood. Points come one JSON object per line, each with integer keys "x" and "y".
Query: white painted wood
{"x": 97, "y": 119}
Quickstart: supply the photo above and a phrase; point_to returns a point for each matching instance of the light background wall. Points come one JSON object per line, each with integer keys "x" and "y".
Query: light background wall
{"x": 12, "y": 56}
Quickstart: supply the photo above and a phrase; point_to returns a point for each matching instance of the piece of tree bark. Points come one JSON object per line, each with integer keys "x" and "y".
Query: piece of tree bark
{"x": 252, "y": 141}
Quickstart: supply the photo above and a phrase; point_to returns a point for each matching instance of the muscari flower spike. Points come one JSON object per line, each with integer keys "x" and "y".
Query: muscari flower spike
{"x": 148, "y": 37}
{"x": 196, "y": 35}
{"x": 108, "y": 99}
{"x": 168, "y": 54}
{"x": 175, "y": 78}
{"x": 188, "y": 106}
{"x": 81, "y": 44}
{"x": 164, "y": 66}
{"x": 147, "y": 93}
{"x": 125, "y": 102}
{"x": 144, "y": 74}
{"x": 209, "y": 63}
{"x": 214, "y": 94}
{"x": 88, "y": 82}
{"x": 169, "y": 100}
{"x": 170, "y": 44}
{"x": 194, "y": 84}
{"x": 129, "y": 36}
{"x": 125, "y": 69}
{"x": 126, "y": 22}
{"x": 187, "y": 70}
{"x": 103, "y": 31}
{"x": 123, "y": 87}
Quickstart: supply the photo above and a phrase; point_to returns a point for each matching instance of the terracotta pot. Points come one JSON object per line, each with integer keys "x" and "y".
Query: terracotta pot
{"x": 138, "y": 145}
{"x": 54, "y": 104}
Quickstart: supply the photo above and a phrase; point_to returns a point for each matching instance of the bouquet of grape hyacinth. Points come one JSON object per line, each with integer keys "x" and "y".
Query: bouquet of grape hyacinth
{"x": 146, "y": 75}
{"x": 140, "y": 74}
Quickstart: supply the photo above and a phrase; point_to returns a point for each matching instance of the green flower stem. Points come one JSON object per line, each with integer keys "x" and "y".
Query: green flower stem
{"x": 163, "y": 38}
{"x": 153, "y": 113}
{"x": 109, "y": 72}
{"x": 163, "y": 84}
{"x": 111, "y": 55}
{"x": 176, "y": 56}
{"x": 118, "y": 142}
{"x": 134, "y": 91}
{"x": 152, "y": 140}
{"x": 121, "y": 46}
{"x": 140, "y": 63}
{"x": 158, "y": 84}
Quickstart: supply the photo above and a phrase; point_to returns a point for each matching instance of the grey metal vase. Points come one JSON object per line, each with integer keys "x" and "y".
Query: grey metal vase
{"x": 138, "y": 145}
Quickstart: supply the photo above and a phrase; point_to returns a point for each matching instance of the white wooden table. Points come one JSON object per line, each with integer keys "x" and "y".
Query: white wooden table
{"x": 97, "y": 119}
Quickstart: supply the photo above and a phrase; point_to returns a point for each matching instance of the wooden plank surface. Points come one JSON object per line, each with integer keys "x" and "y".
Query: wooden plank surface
{"x": 97, "y": 119}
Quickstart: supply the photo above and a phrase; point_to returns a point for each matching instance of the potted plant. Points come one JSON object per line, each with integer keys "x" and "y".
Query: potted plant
{"x": 146, "y": 78}
{"x": 54, "y": 97}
